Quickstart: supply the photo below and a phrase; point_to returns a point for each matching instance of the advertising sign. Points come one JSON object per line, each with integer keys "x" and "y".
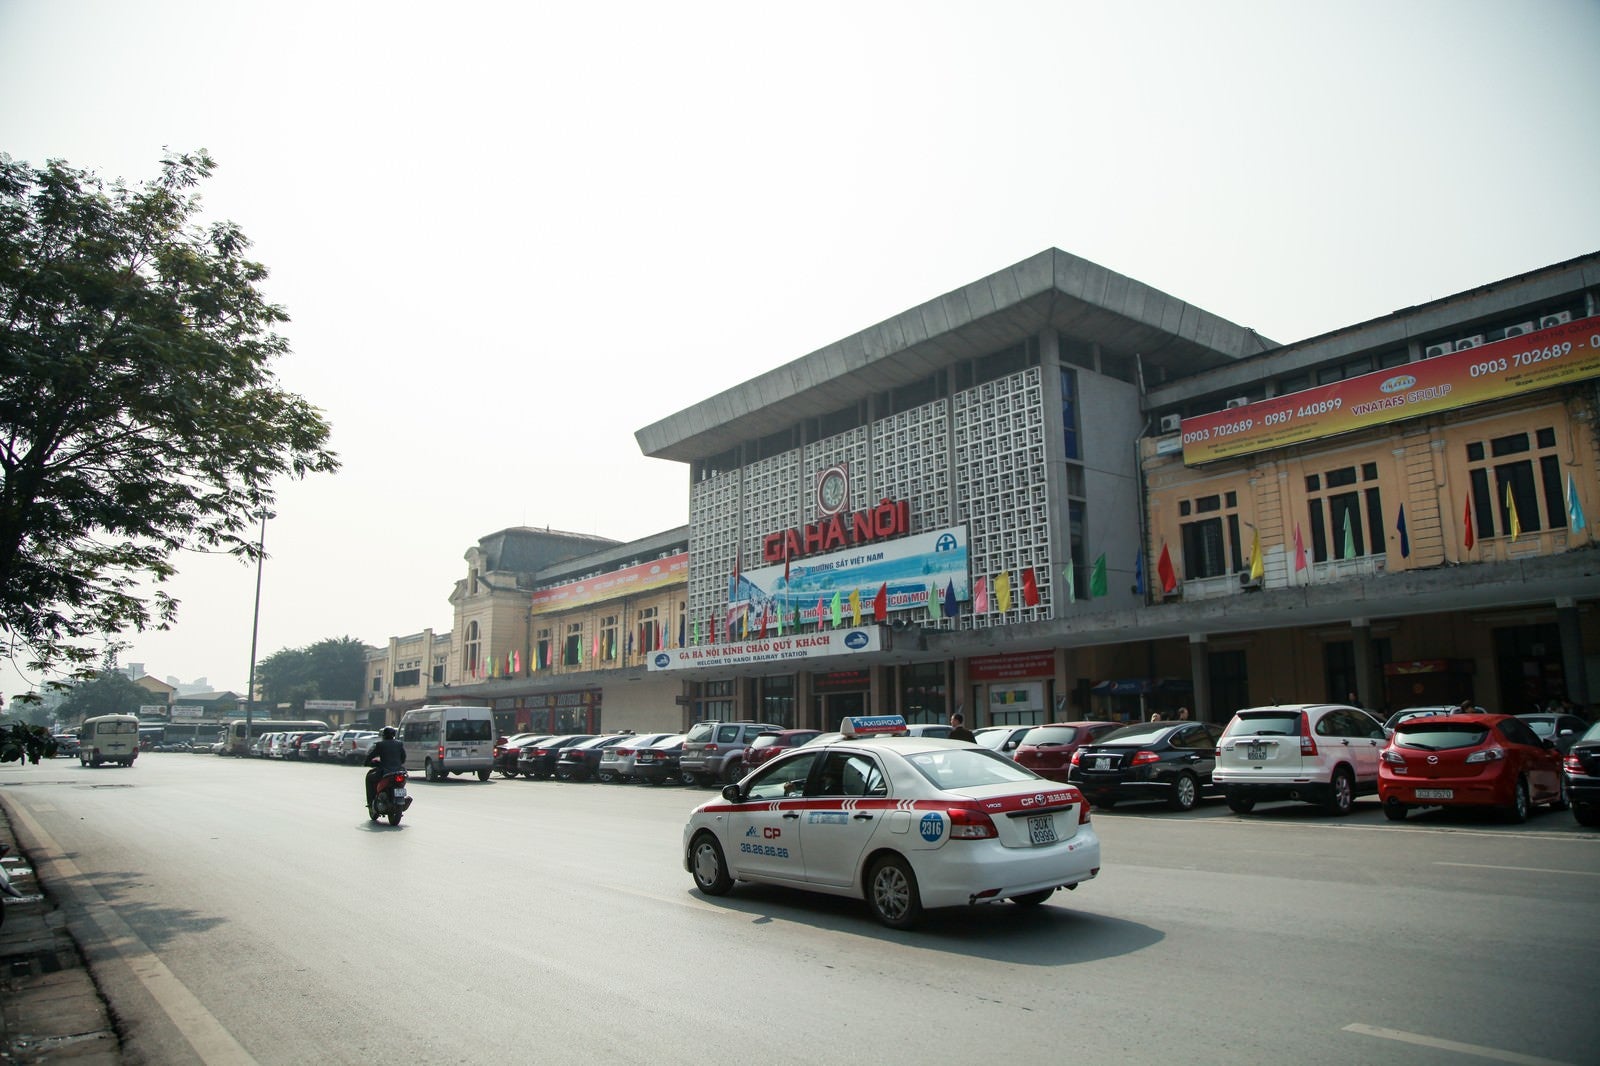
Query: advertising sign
{"x": 185, "y": 711}
{"x": 630, "y": 581}
{"x": 1006, "y": 667}
{"x": 330, "y": 705}
{"x": 1515, "y": 366}
{"x": 913, "y": 568}
{"x": 147, "y": 710}
{"x": 771, "y": 649}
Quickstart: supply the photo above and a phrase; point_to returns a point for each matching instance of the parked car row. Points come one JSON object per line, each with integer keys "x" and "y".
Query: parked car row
{"x": 347, "y": 746}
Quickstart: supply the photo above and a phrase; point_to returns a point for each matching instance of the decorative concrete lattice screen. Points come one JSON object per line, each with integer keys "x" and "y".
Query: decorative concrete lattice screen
{"x": 713, "y": 539}
{"x": 1000, "y": 478}
{"x": 911, "y": 457}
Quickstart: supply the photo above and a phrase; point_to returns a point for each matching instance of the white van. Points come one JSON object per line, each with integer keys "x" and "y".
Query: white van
{"x": 109, "y": 738}
{"x": 442, "y": 740}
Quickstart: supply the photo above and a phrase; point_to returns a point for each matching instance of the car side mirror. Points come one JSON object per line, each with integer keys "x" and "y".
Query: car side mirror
{"x": 732, "y": 794}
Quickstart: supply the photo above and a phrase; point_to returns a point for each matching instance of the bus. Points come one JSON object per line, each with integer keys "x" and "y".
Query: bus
{"x": 235, "y": 740}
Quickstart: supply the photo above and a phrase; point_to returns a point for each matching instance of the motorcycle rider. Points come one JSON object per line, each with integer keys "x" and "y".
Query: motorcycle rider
{"x": 386, "y": 756}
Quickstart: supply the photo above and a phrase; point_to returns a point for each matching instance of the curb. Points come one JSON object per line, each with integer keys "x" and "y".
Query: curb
{"x": 50, "y": 1009}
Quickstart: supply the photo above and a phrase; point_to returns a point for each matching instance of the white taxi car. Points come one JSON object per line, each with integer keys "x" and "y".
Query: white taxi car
{"x": 907, "y": 822}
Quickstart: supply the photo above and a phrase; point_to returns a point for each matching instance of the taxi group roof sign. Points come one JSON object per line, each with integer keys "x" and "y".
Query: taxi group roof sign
{"x": 1542, "y": 359}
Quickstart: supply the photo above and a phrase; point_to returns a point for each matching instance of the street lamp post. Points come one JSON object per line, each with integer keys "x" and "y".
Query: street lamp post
{"x": 255, "y": 626}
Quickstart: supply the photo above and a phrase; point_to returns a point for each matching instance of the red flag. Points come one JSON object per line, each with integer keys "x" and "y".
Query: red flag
{"x": 880, "y": 604}
{"x": 1299, "y": 550}
{"x": 764, "y": 607}
{"x": 822, "y": 612}
{"x": 1466, "y": 517}
{"x": 1166, "y": 572}
{"x": 786, "y": 560}
{"x": 1030, "y": 588}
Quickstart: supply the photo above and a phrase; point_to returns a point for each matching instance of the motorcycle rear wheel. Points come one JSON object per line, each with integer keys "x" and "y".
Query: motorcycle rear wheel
{"x": 394, "y": 818}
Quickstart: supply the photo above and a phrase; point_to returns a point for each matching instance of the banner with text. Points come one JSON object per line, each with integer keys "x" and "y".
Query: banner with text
{"x": 1542, "y": 359}
{"x": 771, "y": 649}
{"x": 629, "y": 581}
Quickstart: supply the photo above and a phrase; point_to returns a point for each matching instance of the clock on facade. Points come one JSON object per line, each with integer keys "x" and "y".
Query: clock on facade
{"x": 833, "y": 489}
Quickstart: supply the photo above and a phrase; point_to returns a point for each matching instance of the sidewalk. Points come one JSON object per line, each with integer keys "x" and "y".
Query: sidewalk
{"x": 50, "y": 1010}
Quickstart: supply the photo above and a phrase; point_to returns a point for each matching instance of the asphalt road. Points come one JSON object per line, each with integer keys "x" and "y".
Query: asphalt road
{"x": 245, "y": 910}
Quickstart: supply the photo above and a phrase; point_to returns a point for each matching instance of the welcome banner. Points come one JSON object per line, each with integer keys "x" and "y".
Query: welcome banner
{"x": 1543, "y": 359}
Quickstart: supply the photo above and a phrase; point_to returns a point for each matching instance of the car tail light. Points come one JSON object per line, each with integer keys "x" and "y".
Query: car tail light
{"x": 624, "y": 751}
{"x": 1393, "y": 758}
{"x": 966, "y": 824}
{"x": 711, "y": 749}
{"x": 1572, "y": 764}
{"x": 1083, "y": 808}
{"x": 1487, "y": 755}
{"x": 1076, "y": 756}
{"x": 1145, "y": 757}
{"x": 1308, "y": 746}
{"x": 441, "y": 751}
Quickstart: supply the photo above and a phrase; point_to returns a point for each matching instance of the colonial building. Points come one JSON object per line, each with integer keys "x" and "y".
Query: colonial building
{"x": 1057, "y": 492}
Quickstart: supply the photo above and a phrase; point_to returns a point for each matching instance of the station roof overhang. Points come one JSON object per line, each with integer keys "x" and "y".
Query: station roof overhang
{"x": 1050, "y": 290}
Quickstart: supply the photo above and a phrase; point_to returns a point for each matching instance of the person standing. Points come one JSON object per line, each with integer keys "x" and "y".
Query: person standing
{"x": 959, "y": 730}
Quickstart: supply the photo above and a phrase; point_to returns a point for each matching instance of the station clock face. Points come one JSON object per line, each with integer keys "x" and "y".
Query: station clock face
{"x": 833, "y": 489}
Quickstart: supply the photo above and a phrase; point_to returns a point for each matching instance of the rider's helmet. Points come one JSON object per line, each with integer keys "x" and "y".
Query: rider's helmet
{"x": 388, "y": 732}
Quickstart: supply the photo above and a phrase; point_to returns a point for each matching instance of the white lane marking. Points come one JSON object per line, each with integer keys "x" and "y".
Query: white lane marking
{"x": 1451, "y": 1045}
{"x": 211, "y": 1042}
{"x": 1588, "y": 838}
{"x": 1521, "y": 869}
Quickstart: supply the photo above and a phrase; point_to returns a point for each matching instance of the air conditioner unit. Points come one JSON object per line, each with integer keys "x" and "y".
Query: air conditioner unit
{"x": 1170, "y": 423}
{"x": 1560, "y": 318}
{"x": 1248, "y": 582}
{"x": 1519, "y": 329}
{"x": 1433, "y": 351}
{"x": 1237, "y": 401}
{"x": 1465, "y": 343}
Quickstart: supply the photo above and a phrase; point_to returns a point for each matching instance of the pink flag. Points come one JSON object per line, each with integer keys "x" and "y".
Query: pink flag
{"x": 980, "y": 596}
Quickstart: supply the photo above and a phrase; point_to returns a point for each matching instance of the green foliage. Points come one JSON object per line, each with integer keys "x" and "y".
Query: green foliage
{"x": 31, "y": 742}
{"x": 138, "y": 413}
{"x": 330, "y": 669}
{"x": 111, "y": 692}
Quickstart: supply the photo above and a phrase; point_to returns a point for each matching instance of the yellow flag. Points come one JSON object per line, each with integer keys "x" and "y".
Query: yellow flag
{"x": 855, "y": 607}
{"x": 1002, "y": 590}
{"x": 1256, "y": 568}
{"x": 1511, "y": 505}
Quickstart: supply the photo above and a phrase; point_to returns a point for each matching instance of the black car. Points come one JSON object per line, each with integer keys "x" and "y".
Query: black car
{"x": 581, "y": 761}
{"x": 658, "y": 763}
{"x": 1581, "y": 769}
{"x": 1170, "y": 761}
{"x": 507, "y": 749}
{"x": 539, "y": 761}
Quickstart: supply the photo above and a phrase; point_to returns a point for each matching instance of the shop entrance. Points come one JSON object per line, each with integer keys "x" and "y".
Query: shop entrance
{"x": 833, "y": 706}
{"x": 1528, "y": 667}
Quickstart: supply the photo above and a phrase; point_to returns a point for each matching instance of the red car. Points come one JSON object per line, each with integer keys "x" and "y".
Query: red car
{"x": 1047, "y": 749}
{"x": 1469, "y": 760}
{"x": 774, "y": 742}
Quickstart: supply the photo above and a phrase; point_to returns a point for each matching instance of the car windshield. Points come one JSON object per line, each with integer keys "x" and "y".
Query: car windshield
{"x": 1430, "y": 735}
{"x": 960, "y": 768}
{"x": 1545, "y": 727}
{"x": 1593, "y": 733}
{"x": 994, "y": 739}
{"x": 700, "y": 732}
{"x": 765, "y": 740}
{"x": 1138, "y": 732}
{"x": 1274, "y": 723}
{"x": 466, "y": 729}
{"x": 1046, "y": 736}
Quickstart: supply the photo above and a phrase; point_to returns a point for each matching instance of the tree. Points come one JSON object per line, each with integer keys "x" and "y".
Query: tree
{"x": 110, "y": 692}
{"x": 138, "y": 413}
{"x": 330, "y": 669}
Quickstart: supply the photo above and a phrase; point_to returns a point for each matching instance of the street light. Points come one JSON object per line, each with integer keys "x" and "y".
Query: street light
{"x": 255, "y": 626}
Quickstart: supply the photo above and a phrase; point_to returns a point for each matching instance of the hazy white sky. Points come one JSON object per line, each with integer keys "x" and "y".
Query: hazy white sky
{"x": 510, "y": 234}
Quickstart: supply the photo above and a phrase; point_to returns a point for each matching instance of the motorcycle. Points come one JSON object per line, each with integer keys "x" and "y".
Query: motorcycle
{"x": 389, "y": 799}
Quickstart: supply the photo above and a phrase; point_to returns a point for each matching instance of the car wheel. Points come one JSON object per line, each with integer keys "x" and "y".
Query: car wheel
{"x": 1563, "y": 798}
{"x": 1589, "y": 816}
{"x": 686, "y": 778}
{"x": 732, "y": 773}
{"x": 710, "y": 868}
{"x": 892, "y": 893}
{"x": 1395, "y": 811}
{"x": 1341, "y": 794}
{"x": 483, "y": 775}
{"x": 1185, "y": 793}
{"x": 1239, "y": 804}
{"x": 430, "y": 772}
{"x": 1517, "y": 812}
{"x": 607, "y": 778}
{"x": 1033, "y": 899}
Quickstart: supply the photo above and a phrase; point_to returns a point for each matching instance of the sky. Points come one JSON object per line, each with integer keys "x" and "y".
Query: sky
{"x": 509, "y": 235}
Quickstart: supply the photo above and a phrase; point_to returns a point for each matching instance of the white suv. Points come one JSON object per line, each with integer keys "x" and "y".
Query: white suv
{"x": 1323, "y": 753}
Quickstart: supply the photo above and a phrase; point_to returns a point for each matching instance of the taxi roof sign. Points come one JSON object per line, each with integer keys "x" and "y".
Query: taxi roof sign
{"x": 874, "y": 725}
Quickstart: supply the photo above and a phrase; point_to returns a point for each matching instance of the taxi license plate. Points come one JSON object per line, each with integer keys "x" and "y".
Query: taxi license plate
{"x": 1436, "y": 793}
{"x": 1041, "y": 829}
{"x": 1256, "y": 751}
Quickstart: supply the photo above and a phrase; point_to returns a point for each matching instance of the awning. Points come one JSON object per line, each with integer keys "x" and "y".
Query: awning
{"x": 1141, "y": 686}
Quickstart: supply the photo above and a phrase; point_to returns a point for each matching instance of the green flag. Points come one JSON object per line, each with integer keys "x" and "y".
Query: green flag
{"x": 834, "y": 609}
{"x": 1097, "y": 577}
{"x": 1349, "y": 538}
{"x": 1072, "y": 584}
{"x": 933, "y": 602}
